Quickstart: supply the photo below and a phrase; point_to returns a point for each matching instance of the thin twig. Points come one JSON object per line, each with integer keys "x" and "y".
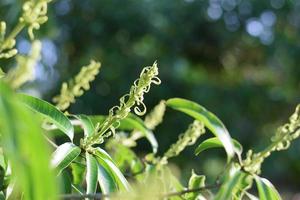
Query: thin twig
{"x": 195, "y": 190}
{"x": 99, "y": 196}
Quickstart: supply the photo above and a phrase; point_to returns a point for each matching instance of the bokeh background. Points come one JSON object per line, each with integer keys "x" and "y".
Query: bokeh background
{"x": 238, "y": 58}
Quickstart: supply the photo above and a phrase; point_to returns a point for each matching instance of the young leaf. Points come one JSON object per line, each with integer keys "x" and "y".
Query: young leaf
{"x": 91, "y": 174}
{"x": 216, "y": 143}
{"x": 196, "y": 181}
{"x": 107, "y": 163}
{"x": 266, "y": 190}
{"x": 50, "y": 112}
{"x": 87, "y": 125}
{"x": 24, "y": 144}
{"x": 64, "y": 155}
{"x": 132, "y": 122}
{"x": 212, "y": 122}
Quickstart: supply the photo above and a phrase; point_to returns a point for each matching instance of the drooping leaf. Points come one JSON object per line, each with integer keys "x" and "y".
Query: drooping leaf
{"x": 87, "y": 125}
{"x": 266, "y": 190}
{"x": 212, "y": 122}
{"x": 216, "y": 143}
{"x": 106, "y": 181}
{"x": 50, "y": 112}
{"x": 91, "y": 174}
{"x": 26, "y": 148}
{"x": 108, "y": 164}
{"x": 63, "y": 156}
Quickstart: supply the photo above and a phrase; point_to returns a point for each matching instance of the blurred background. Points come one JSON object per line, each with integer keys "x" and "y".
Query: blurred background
{"x": 238, "y": 58}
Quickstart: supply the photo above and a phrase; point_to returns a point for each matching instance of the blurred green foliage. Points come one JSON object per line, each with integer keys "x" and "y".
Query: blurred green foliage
{"x": 238, "y": 58}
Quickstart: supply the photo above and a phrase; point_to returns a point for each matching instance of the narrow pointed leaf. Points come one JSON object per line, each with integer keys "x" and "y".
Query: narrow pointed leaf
{"x": 107, "y": 163}
{"x": 64, "y": 155}
{"x": 24, "y": 145}
{"x": 133, "y": 122}
{"x": 106, "y": 181}
{"x": 216, "y": 143}
{"x": 91, "y": 174}
{"x": 212, "y": 122}
{"x": 266, "y": 190}
{"x": 50, "y": 112}
{"x": 87, "y": 125}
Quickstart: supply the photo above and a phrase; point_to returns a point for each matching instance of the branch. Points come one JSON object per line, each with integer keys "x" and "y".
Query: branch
{"x": 96, "y": 196}
{"x": 195, "y": 190}
{"x": 99, "y": 196}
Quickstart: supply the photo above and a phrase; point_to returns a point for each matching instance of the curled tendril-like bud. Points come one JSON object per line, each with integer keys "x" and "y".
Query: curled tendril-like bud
{"x": 280, "y": 141}
{"x": 134, "y": 99}
{"x": 76, "y": 87}
{"x": 140, "y": 110}
{"x": 25, "y": 67}
{"x": 34, "y": 14}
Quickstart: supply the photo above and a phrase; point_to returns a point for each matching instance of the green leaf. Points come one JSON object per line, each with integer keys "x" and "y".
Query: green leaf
{"x": 108, "y": 164}
{"x": 50, "y": 112}
{"x": 66, "y": 185}
{"x": 91, "y": 174}
{"x": 63, "y": 156}
{"x": 87, "y": 125}
{"x": 216, "y": 143}
{"x": 266, "y": 190}
{"x": 231, "y": 184}
{"x": 132, "y": 122}
{"x": 78, "y": 172}
{"x": 106, "y": 181}
{"x": 212, "y": 122}
{"x": 196, "y": 181}
{"x": 24, "y": 145}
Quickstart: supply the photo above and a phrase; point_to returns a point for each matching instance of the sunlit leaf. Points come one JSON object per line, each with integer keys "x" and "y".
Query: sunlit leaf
{"x": 216, "y": 143}
{"x": 108, "y": 164}
{"x": 26, "y": 148}
{"x": 212, "y": 122}
{"x": 251, "y": 196}
{"x": 50, "y": 112}
{"x": 106, "y": 180}
{"x": 63, "y": 156}
{"x": 266, "y": 190}
{"x": 87, "y": 125}
{"x": 91, "y": 174}
{"x": 196, "y": 181}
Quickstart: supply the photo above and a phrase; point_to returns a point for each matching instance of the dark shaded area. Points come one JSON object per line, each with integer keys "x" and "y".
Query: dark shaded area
{"x": 238, "y": 58}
